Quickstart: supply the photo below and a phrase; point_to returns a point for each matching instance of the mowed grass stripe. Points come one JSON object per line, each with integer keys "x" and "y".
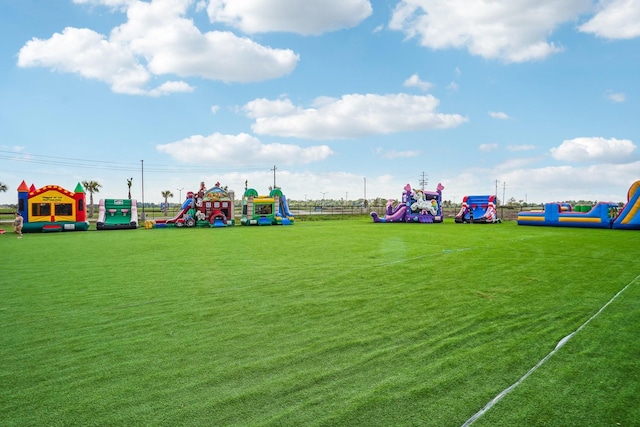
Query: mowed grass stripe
{"x": 325, "y": 323}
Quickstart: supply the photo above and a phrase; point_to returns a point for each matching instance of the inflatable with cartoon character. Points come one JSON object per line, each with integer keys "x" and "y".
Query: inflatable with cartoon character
{"x": 211, "y": 207}
{"x": 417, "y": 206}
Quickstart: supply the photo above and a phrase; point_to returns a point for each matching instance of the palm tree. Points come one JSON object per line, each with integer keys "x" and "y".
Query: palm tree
{"x": 166, "y": 194}
{"x": 91, "y": 187}
{"x": 3, "y": 187}
{"x": 129, "y": 183}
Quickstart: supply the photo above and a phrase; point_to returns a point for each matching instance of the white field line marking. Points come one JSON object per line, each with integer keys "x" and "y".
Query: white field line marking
{"x": 561, "y": 343}
{"x": 444, "y": 251}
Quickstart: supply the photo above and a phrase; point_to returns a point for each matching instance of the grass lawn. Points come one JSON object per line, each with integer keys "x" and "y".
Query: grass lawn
{"x": 326, "y": 323}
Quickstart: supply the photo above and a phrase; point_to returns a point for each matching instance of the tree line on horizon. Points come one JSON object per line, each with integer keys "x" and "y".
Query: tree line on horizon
{"x": 92, "y": 187}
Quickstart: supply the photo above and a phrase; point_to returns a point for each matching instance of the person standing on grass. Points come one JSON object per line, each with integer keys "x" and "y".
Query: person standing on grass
{"x": 17, "y": 225}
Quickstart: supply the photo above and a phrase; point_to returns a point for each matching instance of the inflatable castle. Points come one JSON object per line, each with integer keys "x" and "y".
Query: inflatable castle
{"x": 52, "y": 208}
{"x": 417, "y": 206}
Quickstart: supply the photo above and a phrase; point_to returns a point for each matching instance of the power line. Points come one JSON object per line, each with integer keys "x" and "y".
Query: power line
{"x": 23, "y": 156}
{"x": 112, "y": 166}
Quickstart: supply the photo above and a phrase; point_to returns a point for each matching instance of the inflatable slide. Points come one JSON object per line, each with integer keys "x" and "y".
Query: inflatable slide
{"x": 283, "y": 209}
{"x": 478, "y": 209}
{"x": 184, "y": 212}
{"x": 629, "y": 216}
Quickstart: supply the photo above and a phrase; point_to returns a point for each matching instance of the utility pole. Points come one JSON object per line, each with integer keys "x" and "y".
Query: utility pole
{"x": 365, "y": 192}
{"x": 144, "y": 216}
{"x": 423, "y": 181}
{"x": 274, "y": 176}
{"x": 504, "y": 186}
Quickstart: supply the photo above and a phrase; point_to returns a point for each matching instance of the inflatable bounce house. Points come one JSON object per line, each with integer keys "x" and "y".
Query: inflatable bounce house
{"x": 52, "y": 208}
{"x": 601, "y": 215}
{"x": 265, "y": 210}
{"x": 117, "y": 214}
{"x": 478, "y": 210}
{"x": 211, "y": 207}
{"x": 417, "y": 206}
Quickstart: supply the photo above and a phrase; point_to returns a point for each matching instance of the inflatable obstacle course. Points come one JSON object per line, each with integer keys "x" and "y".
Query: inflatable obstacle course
{"x": 600, "y": 215}
{"x": 117, "y": 214}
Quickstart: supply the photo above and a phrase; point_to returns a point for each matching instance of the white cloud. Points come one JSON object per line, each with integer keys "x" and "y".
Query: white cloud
{"x": 302, "y": 17}
{"x": 603, "y": 182}
{"x": 521, "y": 147}
{"x": 513, "y": 31}
{"x": 488, "y": 147}
{"x": 171, "y": 43}
{"x": 263, "y": 107}
{"x": 616, "y": 97}
{"x": 201, "y": 5}
{"x": 617, "y": 19}
{"x": 515, "y": 163}
{"x": 414, "y": 81}
{"x": 241, "y": 149}
{"x": 393, "y": 154}
{"x": 89, "y": 54}
{"x": 167, "y": 88}
{"x": 156, "y": 40}
{"x": 518, "y": 178}
{"x": 351, "y": 116}
{"x": 499, "y": 115}
{"x": 215, "y": 109}
{"x": 110, "y": 3}
{"x": 306, "y": 185}
{"x": 594, "y": 149}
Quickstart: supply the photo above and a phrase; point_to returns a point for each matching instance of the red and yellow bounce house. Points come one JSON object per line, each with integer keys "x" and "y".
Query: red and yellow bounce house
{"x": 52, "y": 208}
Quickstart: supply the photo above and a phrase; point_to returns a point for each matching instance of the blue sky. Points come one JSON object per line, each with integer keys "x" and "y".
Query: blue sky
{"x": 538, "y": 99}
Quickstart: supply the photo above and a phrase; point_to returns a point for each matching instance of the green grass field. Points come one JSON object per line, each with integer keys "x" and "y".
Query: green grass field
{"x": 325, "y": 323}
